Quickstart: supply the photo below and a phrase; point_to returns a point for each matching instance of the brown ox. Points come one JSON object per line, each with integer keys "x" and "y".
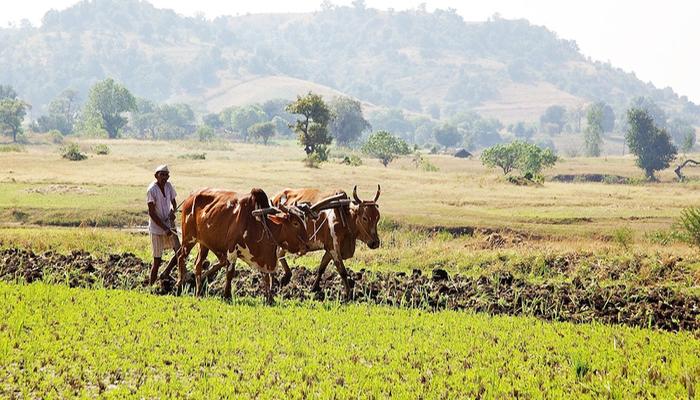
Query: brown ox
{"x": 335, "y": 231}
{"x": 236, "y": 226}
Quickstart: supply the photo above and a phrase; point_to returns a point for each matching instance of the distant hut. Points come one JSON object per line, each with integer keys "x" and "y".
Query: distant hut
{"x": 462, "y": 153}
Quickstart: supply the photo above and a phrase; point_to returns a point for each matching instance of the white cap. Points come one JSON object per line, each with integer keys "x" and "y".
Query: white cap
{"x": 162, "y": 168}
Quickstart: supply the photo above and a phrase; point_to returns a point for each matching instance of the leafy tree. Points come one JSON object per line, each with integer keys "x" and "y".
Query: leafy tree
{"x": 555, "y": 115}
{"x": 606, "y": 120}
{"x": 391, "y": 120}
{"x": 106, "y": 103}
{"x": 312, "y": 128}
{"x": 205, "y": 133}
{"x": 262, "y": 130}
{"x": 651, "y": 145}
{"x": 593, "y": 134}
{"x": 530, "y": 159}
{"x": 213, "y": 121}
{"x": 162, "y": 122}
{"x": 348, "y": 123}
{"x": 448, "y": 135}
{"x": 7, "y": 92}
{"x": 575, "y": 115}
{"x": 648, "y": 105}
{"x": 533, "y": 159}
{"x": 682, "y": 133}
{"x": 385, "y": 147}
{"x": 481, "y": 132}
{"x": 242, "y": 118}
{"x": 12, "y": 112}
{"x": 62, "y": 113}
{"x": 503, "y": 156}
{"x": 522, "y": 130}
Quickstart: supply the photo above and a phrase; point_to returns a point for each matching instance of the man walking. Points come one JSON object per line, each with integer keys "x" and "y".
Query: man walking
{"x": 161, "y": 224}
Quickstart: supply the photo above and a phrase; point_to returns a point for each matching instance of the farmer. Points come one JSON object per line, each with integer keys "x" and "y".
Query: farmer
{"x": 161, "y": 225}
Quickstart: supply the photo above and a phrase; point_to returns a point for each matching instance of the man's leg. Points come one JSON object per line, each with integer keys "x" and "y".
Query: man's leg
{"x": 157, "y": 247}
{"x": 173, "y": 261}
{"x": 154, "y": 270}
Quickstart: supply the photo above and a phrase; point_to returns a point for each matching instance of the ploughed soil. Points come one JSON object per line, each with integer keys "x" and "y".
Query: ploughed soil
{"x": 576, "y": 300}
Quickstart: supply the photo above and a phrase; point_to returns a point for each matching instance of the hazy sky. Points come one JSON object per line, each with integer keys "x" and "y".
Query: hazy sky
{"x": 650, "y": 37}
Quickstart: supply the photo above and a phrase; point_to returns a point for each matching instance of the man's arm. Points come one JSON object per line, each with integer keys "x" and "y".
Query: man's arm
{"x": 156, "y": 219}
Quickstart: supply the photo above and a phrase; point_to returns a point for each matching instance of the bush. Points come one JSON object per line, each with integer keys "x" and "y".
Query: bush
{"x": 55, "y": 136}
{"x": 623, "y": 236}
{"x": 312, "y": 161}
{"x": 352, "y": 160}
{"x": 12, "y": 148}
{"x": 101, "y": 149}
{"x": 71, "y": 151}
{"x": 194, "y": 156}
{"x": 690, "y": 222}
{"x": 205, "y": 133}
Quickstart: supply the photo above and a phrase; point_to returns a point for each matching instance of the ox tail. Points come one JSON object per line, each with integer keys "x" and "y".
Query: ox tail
{"x": 260, "y": 197}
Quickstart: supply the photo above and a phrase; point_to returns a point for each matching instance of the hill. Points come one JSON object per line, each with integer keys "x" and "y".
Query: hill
{"x": 422, "y": 62}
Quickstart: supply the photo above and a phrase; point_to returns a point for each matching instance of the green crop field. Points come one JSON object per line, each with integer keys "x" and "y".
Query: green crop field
{"x": 60, "y": 342}
{"x": 578, "y": 251}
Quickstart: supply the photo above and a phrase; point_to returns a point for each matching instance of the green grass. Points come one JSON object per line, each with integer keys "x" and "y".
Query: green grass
{"x": 60, "y": 342}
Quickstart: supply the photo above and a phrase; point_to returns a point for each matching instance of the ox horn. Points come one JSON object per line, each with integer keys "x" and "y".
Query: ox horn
{"x": 354, "y": 195}
{"x": 322, "y": 203}
{"x": 379, "y": 191}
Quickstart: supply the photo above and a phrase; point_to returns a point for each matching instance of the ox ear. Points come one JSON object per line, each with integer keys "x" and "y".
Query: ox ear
{"x": 276, "y": 219}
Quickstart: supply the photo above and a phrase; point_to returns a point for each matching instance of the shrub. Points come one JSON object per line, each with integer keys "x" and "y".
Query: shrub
{"x": 101, "y": 149}
{"x": 11, "y": 148}
{"x": 55, "y": 136}
{"x": 352, "y": 160}
{"x": 623, "y": 236}
{"x": 385, "y": 147}
{"x": 690, "y": 222}
{"x": 194, "y": 156}
{"x": 71, "y": 151}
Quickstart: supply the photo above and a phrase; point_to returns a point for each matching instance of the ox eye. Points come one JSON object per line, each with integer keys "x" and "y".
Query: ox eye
{"x": 364, "y": 219}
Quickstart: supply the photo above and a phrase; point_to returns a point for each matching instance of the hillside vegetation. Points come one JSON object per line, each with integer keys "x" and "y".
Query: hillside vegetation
{"x": 423, "y": 62}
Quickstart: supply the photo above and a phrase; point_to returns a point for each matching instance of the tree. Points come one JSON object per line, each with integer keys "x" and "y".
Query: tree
{"x": 162, "y": 122}
{"x": 106, "y": 102}
{"x": 607, "y": 115}
{"x": 682, "y": 133}
{"x": 213, "y": 121}
{"x": 651, "y": 145}
{"x": 576, "y": 114}
{"x": 312, "y": 128}
{"x": 522, "y": 130}
{"x": 242, "y": 118}
{"x": 62, "y": 113}
{"x": 348, "y": 123}
{"x": 647, "y": 104}
{"x": 503, "y": 156}
{"x": 262, "y": 130}
{"x": 593, "y": 134}
{"x": 448, "y": 135}
{"x": 555, "y": 115}
{"x": 12, "y": 112}
{"x": 385, "y": 146}
{"x": 205, "y": 133}
{"x": 530, "y": 159}
{"x": 7, "y": 92}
